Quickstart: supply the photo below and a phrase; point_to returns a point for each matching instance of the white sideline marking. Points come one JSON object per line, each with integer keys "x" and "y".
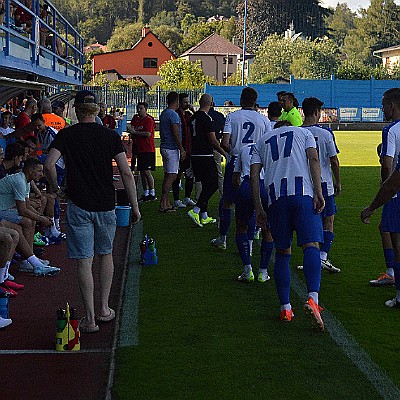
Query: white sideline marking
{"x": 13, "y": 352}
{"x": 357, "y": 355}
{"x": 129, "y": 332}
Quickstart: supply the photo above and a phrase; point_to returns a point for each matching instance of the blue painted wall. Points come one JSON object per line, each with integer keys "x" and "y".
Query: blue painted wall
{"x": 334, "y": 93}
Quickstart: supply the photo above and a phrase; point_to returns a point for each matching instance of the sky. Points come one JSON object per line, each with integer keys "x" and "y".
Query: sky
{"x": 353, "y": 4}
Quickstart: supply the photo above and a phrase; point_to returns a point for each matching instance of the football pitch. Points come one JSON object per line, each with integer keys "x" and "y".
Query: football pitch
{"x": 194, "y": 332}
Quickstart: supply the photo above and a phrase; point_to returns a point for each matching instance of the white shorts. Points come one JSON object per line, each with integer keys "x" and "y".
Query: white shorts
{"x": 170, "y": 160}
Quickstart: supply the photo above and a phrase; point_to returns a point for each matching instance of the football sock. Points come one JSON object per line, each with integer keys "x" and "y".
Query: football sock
{"x": 266, "y": 253}
{"x": 196, "y": 209}
{"x": 282, "y": 277}
{"x": 34, "y": 261}
{"x": 2, "y": 274}
{"x": 314, "y": 296}
{"x": 389, "y": 260}
{"x": 326, "y": 246}
{"x": 247, "y": 269}
{"x": 204, "y": 215}
{"x": 286, "y": 307}
{"x": 244, "y": 248}
{"x": 312, "y": 268}
{"x": 396, "y": 267}
{"x": 146, "y": 192}
{"x": 7, "y": 267}
{"x": 152, "y": 192}
{"x": 251, "y": 227}
{"x": 225, "y": 217}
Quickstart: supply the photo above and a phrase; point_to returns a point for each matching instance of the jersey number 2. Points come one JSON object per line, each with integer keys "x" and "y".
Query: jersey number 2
{"x": 250, "y": 129}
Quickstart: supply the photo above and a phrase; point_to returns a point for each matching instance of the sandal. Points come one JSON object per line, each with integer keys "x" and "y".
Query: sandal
{"x": 108, "y": 317}
{"x": 167, "y": 210}
{"x": 87, "y": 329}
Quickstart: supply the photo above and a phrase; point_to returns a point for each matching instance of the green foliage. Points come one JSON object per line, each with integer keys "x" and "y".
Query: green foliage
{"x": 128, "y": 83}
{"x": 181, "y": 74}
{"x": 167, "y": 18}
{"x": 170, "y": 36}
{"x": 377, "y": 27}
{"x": 200, "y": 30}
{"x": 87, "y": 67}
{"x": 124, "y": 37}
{"x": 339, "y": 23}
{"x": 280, "y": 57}
{"x": 267, "y": 17}
{"x": 353, "y": 69}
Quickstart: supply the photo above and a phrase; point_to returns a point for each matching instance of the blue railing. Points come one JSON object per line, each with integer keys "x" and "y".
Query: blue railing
{"x": 51, "y": 47}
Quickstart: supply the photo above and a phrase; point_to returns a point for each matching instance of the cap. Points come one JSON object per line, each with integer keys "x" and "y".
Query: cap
{"x": 85, "y": 96}
{"x": 58, "y": 104}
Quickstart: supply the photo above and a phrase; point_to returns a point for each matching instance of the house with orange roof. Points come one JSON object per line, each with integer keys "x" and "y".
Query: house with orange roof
{"x": 219, "y": 57}
{"x": 142, "y": 61}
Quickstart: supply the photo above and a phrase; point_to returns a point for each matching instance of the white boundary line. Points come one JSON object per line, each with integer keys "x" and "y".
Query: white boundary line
{"x": 357, "y": 355}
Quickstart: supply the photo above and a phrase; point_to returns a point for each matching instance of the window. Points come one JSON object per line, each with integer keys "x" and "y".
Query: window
{"x": 230, "y": 60}
{"x": 149, "y": 62}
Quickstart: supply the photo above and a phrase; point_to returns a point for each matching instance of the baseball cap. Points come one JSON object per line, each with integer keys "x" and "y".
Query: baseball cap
{"x": 85, "y": 97}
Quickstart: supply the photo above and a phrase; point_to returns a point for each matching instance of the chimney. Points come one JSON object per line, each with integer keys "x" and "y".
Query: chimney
{"x": 145, "y": 31}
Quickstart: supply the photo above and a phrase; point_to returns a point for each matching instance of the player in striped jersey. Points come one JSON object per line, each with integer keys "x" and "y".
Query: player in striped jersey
{"x": 244, "y": 126}
{"x": 295, "y": 201}
{"x": 390, "y": 221}
{"x": 245, "y": 221}
{"x": 327, "y": 152}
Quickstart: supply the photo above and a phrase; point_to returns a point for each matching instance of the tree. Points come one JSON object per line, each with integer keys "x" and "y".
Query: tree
{"x": 170, "y": 36}
{"x": 124, "y": 37}
{"x": 378, "y": 27}
{"x": 278, "y": 57}
{"x": 266, "y": 17}
{"x": 340, "y": 22}
{"x": 318, "y": 59}
{"x": 181, "y": 74}
{"x": 167, "y": 18}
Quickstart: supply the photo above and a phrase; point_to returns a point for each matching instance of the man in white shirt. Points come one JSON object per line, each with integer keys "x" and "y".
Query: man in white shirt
{"x": 327, "y": 152}
{"x": 295, "y": 201}
{"x": 242, "y": 127}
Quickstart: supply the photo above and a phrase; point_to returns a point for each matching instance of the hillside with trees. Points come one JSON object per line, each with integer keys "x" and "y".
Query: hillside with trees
{"x": 334, "y": 41}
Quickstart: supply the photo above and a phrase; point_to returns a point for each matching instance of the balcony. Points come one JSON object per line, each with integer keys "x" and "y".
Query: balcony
{"x": 46, "y": 49}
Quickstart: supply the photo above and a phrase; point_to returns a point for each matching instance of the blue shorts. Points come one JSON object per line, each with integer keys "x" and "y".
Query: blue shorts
{"x": 229, "y": 191}
{"x": 294, "y": 213}
{"x": 330, "y": 206}
{"x": 244, "y": 203}
{"x": 11, "y": 215}
{"x": 88, "y": 232}
{"x": 390, "y": 221}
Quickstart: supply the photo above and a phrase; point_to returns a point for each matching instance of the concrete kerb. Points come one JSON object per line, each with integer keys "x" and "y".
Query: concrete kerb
{"x": 123, "y": 321}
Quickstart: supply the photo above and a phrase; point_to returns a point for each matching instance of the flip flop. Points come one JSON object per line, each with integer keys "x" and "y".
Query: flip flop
{"x": 106, "y": 318}
{"x": 167, "y": 210}
{"x": 88, "y": 329}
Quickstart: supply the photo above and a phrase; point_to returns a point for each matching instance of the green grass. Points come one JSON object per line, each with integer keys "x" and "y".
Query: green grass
{"x": 202, "y": 335}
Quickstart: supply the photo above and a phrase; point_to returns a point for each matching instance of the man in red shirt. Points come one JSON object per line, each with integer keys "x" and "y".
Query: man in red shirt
{"x": 142, "y": 126}
{"x": 23, "y": 122}
{"x": 107, "y": 119}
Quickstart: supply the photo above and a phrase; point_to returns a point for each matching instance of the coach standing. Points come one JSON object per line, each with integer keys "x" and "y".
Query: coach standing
{"x": 89, "y": 150}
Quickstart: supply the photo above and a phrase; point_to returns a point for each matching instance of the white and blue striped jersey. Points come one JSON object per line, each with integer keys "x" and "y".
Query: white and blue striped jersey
{"x": 242, "y": 163}
{"x": 326, "y": 146}
{"x": 245, "y": 126}
{"x": 391, "y": 141}
{"x": 282, "y": 152}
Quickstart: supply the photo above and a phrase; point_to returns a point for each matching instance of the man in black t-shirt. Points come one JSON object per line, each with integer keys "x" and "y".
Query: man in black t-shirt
{"x": 204, "y": 167}
{"x": 89, "y": 150}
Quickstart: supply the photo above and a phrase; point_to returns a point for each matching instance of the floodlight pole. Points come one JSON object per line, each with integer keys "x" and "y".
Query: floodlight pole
{"x": 244, "y": 39}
